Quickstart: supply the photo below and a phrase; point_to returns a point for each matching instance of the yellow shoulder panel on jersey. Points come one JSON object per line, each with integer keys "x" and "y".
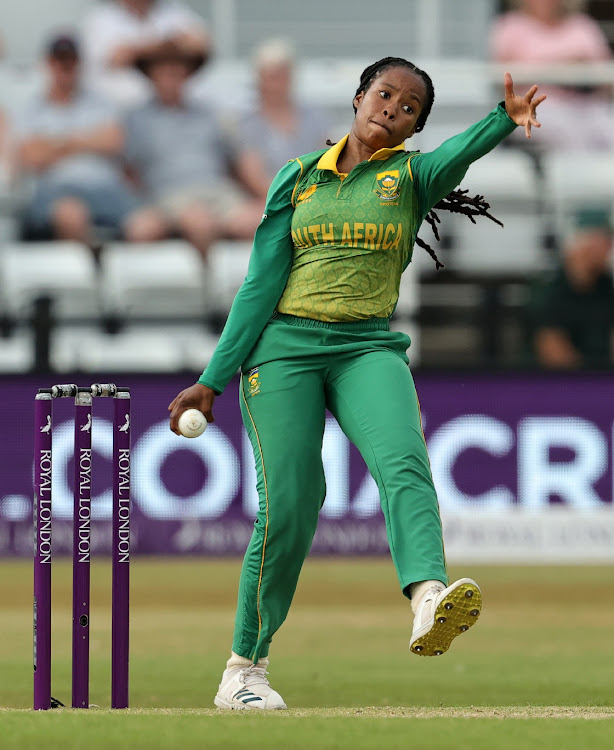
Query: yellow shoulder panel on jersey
{"x": 385, "y": 153}
{"x": 411, "y": 174}
{"x": 298, "y": 179}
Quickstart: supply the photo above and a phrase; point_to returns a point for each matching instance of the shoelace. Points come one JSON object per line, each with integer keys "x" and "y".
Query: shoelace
{"x": 253, "y": 675}
{"x": 429, "y": 596}
{"x": 431, "y": 593}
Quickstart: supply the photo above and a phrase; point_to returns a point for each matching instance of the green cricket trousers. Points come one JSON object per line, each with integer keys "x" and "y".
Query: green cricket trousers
{"x": 360, "y": 373}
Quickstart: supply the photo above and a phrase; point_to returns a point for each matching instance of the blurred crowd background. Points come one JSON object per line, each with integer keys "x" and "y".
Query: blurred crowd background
{"x": 138, "y": 139}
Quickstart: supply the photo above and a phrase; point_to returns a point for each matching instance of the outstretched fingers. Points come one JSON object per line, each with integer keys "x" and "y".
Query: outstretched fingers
{"x": 530, "y": 94}
{"x": 532, "y": 120}
{"x": 531, "y": 123}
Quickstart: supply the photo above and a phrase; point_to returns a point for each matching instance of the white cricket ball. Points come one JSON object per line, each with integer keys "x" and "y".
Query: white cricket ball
{"x": 192, "y": 423}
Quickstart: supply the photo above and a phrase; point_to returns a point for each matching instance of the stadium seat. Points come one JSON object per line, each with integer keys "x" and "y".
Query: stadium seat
{"x": 64, "y": 272}
{"x": 578, "y": 181}
{"x": 436, "y": 133}
{"x": 196, "y": 344}
{"x": 508, "y": 181}
{"x": 228, "y": 262}
{"x": 16, "y": 352}
{"x": 88, "y": 349}
{"x": 9, "y": 225}
{"x": 153, "y": 280}
{"x": 338, "y": 29}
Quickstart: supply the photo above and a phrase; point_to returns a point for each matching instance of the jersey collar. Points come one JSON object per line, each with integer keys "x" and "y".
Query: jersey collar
{"x": 329, "y": 158}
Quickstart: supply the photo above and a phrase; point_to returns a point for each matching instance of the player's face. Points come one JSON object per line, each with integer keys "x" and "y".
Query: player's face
{"x": 387, "y": 112}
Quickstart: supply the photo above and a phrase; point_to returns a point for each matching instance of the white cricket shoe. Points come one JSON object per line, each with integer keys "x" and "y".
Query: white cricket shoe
{"x": 248, "y": 688}
{"x": 443, "y": 614}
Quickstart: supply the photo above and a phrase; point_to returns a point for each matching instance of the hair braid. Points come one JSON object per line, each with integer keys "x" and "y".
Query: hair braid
{"x": 456, "y": 202}
{"x": 425, "y": 246}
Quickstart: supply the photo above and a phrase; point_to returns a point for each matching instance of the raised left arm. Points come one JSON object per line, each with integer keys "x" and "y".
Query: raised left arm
{"x": 438, "y": 172}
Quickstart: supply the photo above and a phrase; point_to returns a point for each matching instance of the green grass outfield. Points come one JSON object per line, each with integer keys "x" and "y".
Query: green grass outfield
{"x": 536, "y": 672}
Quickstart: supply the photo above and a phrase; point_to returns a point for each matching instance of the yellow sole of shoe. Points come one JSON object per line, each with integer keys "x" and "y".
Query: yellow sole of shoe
{"x": 455, "y": 614}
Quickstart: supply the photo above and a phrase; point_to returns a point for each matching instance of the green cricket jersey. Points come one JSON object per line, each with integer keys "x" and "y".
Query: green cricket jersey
{"x": 332, "y": 247}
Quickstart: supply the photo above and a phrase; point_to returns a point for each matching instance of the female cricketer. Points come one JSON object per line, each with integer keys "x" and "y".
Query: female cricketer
{"x": 309, "y": 330}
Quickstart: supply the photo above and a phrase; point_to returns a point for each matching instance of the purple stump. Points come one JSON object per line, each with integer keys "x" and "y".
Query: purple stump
{"x": 42, "y": 551}
{"x": 82, "y": 550}
{"x": 120, "y": 606}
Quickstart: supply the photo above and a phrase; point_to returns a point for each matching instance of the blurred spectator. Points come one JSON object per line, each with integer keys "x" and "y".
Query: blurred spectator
{"x": 279, "y": 128}
{"x": 180, "y": 156}
{"x": 117, "y": 33}
{"x": 4, "y": 146}
{"x": 549, "y": 32}
{"x": 572, "y": 311}
{"x": 69, "y": 141}
{"x": 4, "y": 133}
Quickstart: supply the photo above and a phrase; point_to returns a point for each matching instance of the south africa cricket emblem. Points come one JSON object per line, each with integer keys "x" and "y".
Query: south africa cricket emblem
{"x": 305, "y": 196}
{"x": 253, "y": 378}
{"x": 388, "y": 185}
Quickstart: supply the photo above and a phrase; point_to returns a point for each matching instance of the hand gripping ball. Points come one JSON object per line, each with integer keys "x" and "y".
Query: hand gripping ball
{"x": 192, "y": 423}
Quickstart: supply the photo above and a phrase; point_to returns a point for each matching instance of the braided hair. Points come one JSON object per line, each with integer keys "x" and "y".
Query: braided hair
{"x": 458, "y": 201}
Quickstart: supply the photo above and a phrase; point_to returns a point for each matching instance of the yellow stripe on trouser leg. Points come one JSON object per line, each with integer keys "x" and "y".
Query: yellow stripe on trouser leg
{"x": 284, "y": 418}
{"x": 266, "y": 500}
